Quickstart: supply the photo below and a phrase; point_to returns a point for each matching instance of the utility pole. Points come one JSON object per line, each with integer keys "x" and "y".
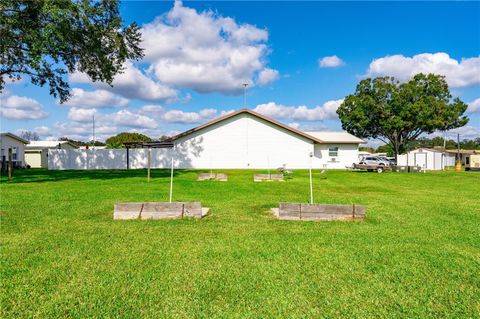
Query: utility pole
{"x": 245, "y": 95}
{"x": 458, "y": 166}
{"x": 458, "y": 147}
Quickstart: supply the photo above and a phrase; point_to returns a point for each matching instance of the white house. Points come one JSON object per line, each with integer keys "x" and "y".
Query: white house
{"x": 246, "y": 139}
{"x": 17, "y": 145}
{"x": 36, "y": 153}
{"x": 427, "y": 158}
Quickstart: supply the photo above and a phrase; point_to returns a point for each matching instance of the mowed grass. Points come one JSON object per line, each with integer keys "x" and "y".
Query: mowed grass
{"x": 416, "y": 255}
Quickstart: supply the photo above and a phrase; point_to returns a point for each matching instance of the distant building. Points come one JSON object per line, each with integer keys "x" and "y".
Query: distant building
{"x": 17, "y": 145}
{"x": 83, "y": 147}
{"x": 462, "y": 154}
{"x": 427, "y": 158}
{"x": 36, "y": 153}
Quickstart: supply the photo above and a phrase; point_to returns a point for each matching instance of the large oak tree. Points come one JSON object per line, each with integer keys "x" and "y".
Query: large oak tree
{"x": 118, "y": 140}
{"x": 397, "y": 113}
{"x": 46, "y": 39}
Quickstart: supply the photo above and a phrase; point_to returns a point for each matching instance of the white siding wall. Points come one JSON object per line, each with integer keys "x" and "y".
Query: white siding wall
{"x": 107, "y": 159}
{"x": 347, "y": 155}
{"x": 7, "y": 142}
{"x": 244, "y": 141}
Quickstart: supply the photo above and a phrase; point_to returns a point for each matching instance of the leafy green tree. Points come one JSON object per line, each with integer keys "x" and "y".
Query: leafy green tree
{"x": 118, "y": 140}
{"x": 164, "y": 138}
{"x": 114, "y": 144}
{"x": 385, "y": 149}
{"x": 46, "y": 39}
{"x": 397, "y": 113}
{"x": 366, "y": 149}
{"x": 81, "y": 143}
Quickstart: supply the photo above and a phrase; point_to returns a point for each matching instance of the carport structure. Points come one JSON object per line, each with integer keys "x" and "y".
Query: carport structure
{"x": 149, "y": 146}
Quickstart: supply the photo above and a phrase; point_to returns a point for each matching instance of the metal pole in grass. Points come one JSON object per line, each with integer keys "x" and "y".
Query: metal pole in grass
{"x": 211, "y": 167}
{"x": 149, "y": 163}
{"x": 171, "y": 175}
{"x": 311, "y": 185}
{"x": 268, "y": 165}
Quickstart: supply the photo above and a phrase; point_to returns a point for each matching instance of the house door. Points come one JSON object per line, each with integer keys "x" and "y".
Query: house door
{"x": 421, "y": 160}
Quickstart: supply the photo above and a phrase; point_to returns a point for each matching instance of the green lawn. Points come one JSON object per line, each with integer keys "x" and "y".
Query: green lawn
{"x": 417, "y": 254}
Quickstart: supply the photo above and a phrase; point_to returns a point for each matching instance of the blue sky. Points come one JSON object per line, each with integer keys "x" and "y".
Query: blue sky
{"x": 198, "y": 54}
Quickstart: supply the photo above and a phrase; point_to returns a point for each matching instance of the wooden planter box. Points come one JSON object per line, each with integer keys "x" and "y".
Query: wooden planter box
{"x": 158, "y": 210}
{"x": 214, "y": 176}
{"x": 300, "y": 211}
{"x": 268, "y": 177}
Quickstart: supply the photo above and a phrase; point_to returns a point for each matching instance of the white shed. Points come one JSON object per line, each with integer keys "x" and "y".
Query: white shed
{"x": 246, "y": 139}
{"x": 17, "y": 144}
{"x": 36, "y": 153}
{"x": 427, "y": 158}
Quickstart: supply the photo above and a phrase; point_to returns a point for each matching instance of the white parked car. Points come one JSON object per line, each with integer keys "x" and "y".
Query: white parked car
{"x": 373, "y": 160}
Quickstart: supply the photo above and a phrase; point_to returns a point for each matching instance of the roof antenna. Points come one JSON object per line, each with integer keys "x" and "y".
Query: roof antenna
{"x": 245, "y": 94}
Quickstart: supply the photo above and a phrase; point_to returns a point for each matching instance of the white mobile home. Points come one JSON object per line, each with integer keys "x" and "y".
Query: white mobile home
{"x": 427, "y": 158}
{"x": 246, "y": 139}
{"x": 17, "y": 145}
{"x": 36, "y": 153}
{"x": 242, "y": 139}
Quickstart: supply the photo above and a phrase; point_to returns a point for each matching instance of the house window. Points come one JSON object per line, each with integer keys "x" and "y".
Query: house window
{"x": 333, "y": 151}
{"x": 14, "y": 153}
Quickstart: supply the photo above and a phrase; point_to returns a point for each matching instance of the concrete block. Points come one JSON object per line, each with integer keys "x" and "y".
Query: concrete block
{"x": 161, "y": 210}
{"x": 127, "y": 210}
{"x": 221, "y": 177}
{"x": 268, "y": 177}
{"x": 192, "y": 209}
{"x": 296, "y": 211}
{"x": 205, "y": 177}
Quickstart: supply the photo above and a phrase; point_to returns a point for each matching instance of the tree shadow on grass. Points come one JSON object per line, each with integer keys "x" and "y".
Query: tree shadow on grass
{"x": 44, "y": 175}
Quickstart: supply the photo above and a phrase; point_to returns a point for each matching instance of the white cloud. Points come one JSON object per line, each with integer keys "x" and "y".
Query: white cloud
{"x": 178, "y": 116}
{"x": 267, "y": 76}
{"x": 83, "y": 131}
{"x": 300, "y": 113}
{"x": 466, "y": 132}
{"x": 133, "y": 84}
{"x": 42, "y": 130}
{"x": 81, "y": 115}
{"x": 16, "y": 107}
{"x": 152, "y": 110}
{"x": 330, "y": 62}
{"x": 95, "y": 99}
{"x": 205, "y": 52}
{"x": 190, "y": 49}
{"x": 79, "y": 125}
{"x": 474, "y": 106}
{"x": 458, "y": 73}
{"x": 130, "y": 119}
